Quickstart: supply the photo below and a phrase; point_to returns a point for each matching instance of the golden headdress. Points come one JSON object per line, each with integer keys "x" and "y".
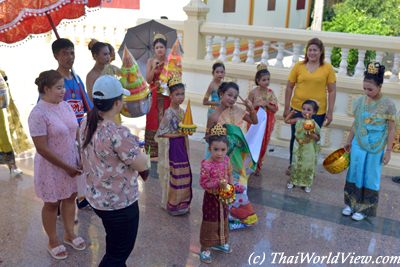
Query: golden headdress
{"x": 262, "y": 66}
{"x": 159, "y": 36}
{"x": 174, "y": 80}
{"x": 218, "y": 62}
{"x": 373, "y": 68}
{"x": 218, "y": 129}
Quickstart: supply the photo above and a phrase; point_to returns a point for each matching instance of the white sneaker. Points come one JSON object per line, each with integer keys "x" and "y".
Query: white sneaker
{"x": 357, "y": 216}
{"x": 307, "y": 189}
{"x": 347, "y": 211}
{"x": 15, "y": 172}
{"x": 290, "y": 185}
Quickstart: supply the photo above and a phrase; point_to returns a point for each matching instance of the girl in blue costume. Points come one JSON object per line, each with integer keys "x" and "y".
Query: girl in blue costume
{"x": 218, "y": 72}
{"x": 372, "y": 131}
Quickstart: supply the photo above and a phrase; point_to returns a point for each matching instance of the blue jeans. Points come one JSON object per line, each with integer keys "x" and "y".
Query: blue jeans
{"x": 319, "y": 119}
{"x": 121, "y": 228}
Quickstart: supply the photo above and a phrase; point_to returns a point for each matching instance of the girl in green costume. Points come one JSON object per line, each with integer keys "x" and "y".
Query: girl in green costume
{"x": 306, "y": 148}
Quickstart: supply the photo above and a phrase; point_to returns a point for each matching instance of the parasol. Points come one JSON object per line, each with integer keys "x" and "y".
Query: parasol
{"x": 19, "y": 19}
{"x": 139, "y": 41}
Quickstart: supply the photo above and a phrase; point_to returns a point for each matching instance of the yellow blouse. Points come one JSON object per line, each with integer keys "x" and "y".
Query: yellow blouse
{"x": 311, "y": 85}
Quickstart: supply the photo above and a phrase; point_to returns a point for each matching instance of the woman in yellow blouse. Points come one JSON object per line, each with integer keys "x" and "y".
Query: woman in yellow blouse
{"x": 311, "y": 79}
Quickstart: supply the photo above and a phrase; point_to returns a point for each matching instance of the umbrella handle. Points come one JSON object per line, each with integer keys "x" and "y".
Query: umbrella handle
{"x": 53, "y": 26}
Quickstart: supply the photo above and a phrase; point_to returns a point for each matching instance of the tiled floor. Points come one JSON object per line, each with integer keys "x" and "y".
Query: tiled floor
{"x": 290, "y": 222}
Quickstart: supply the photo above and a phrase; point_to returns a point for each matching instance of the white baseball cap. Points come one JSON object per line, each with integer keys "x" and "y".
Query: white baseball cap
{"x": 108, "y": 87}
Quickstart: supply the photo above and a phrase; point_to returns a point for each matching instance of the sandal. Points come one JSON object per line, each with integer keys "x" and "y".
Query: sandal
{"x": 56, "y": 251}
{"x": 205, "y": 256}
{"x": 396, "y": 179}
{"x": 78, "y": 243}
{"x": 226, "y": 248}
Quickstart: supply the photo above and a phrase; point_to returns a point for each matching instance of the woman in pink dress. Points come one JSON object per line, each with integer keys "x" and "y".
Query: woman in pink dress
{"x": 53, "y": 128}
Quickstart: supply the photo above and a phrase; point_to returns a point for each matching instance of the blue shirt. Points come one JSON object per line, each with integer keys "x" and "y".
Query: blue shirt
{"x": 76, "y": 96}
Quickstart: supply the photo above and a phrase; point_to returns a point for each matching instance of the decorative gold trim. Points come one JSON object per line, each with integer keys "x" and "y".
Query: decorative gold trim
{"x": 262, "y": 66}
{"x": 218, "y": 129}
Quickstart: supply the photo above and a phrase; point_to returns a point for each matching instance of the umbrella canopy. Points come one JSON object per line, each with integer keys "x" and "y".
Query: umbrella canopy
{"x": 19, "y": 19}
{"x": 139, "y": 40}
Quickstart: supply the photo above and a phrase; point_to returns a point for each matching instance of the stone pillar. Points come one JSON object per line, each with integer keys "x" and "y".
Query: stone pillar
{"x": 193, "y": 42}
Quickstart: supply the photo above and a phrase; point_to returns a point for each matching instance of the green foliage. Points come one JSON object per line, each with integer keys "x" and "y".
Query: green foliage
{"x": 375, "y": 17}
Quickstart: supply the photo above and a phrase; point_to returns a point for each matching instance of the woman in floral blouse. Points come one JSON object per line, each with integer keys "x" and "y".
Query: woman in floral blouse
{"x": 112, "y": 160}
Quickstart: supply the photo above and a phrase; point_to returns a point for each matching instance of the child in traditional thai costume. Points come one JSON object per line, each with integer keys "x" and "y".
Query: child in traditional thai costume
{"x": 173, "y": 161}
{"x": 215, "y": 175}
{"x": 218, "y": 72}
{"x": 264, "y": 97}
{"x": 306, "y": 147}
{"x": 233, "y": 118}
{"x": 373, "y": 129}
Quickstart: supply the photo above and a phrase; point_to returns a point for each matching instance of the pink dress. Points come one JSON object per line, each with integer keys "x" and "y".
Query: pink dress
{"x": 58, "y": 123}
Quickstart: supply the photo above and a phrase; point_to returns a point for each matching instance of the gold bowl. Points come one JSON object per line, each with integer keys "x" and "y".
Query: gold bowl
{"x": 337, "y": 161}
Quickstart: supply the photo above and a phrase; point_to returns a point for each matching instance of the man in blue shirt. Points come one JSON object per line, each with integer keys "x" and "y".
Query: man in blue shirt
{"x": 75, "y": 93}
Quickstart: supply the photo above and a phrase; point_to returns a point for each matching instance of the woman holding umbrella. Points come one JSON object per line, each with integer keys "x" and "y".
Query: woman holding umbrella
{"x": 159, "y": 102}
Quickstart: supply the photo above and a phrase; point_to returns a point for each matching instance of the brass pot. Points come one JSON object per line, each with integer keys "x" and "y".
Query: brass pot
{"x": 337, "y": 161}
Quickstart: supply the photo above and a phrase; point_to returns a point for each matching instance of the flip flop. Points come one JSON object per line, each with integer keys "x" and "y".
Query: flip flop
{"x": 76, "y": 243}
{"x": 54, "y": 252}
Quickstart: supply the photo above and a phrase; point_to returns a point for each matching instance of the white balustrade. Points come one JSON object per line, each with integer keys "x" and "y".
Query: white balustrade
{"x": 222, "y": 50}
{"x": 180, "y": 37}
{"x": 81, "y": 33}
{"x": 395, "y": 69}
{"x": 250, "y": 52}
{"x": 98, "y": 32}
{"x": 113, "y": 37}
{"x": 296, "y": 53}
{"x": 265, "y": 53}
{"x": 279, "y": 57}
{"x": 379, "y": 56}
{"x": 85, "y": 34}
{"x": 328, "y": 54}
{"x": 236, "y": 51}
{"x": 359, "y": 70}
{"x": 108, "y": 34}
{"x": 343, "y": 63}
{"x": 209, "y": 41}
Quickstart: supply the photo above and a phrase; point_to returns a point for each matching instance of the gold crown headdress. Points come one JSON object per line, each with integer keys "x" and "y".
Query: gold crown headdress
{"x": 262, "y": 66}
{"x": 218, "y": 129}
{"x": 159, "y": 36}
{"x": 174, "y": 80}
{"x": 373, "y": 68}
